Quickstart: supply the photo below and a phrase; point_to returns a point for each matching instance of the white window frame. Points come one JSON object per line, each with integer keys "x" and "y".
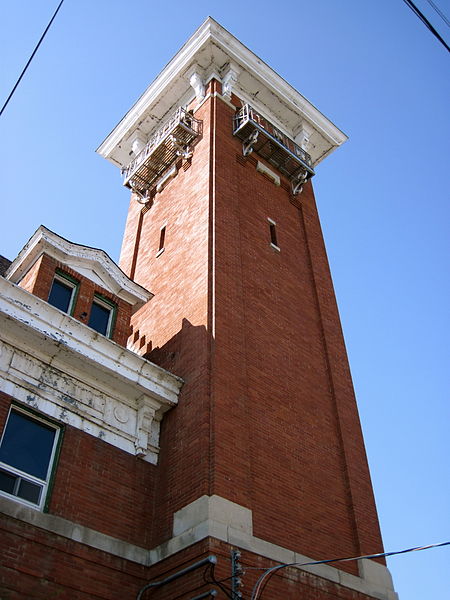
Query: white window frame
{"x": 43, "y": 483}
{"x": 68, "y": 283}
{"x": 112, "y": 309}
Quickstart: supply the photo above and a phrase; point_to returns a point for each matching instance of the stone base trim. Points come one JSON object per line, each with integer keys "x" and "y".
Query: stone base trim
{"x": 208, "y": 516}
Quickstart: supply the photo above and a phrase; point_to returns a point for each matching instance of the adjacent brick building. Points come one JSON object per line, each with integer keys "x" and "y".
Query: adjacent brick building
{"x": 262, "y": 451}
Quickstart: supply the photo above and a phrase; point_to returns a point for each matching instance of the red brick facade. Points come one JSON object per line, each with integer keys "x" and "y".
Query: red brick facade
{"x": 38, "y": 281}
{"x": 267, "y": 416}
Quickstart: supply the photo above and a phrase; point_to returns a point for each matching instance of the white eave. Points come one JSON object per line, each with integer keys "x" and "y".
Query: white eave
{"x": 211, "y": 48}
{"x": 90, "y": 262}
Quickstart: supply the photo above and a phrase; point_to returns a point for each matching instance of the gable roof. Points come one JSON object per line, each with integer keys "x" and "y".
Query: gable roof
{"x": 93, "y": 263}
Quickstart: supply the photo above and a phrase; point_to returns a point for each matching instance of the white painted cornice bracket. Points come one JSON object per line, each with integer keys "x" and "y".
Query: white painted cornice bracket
{"x": 212, "y": 51}
{"x": 196, "y": 78}
{"x": 229, "y": 79}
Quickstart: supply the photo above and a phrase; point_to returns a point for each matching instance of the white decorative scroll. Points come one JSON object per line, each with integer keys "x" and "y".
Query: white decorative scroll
{"x": 229, "y": 79}
{"x": 195, "y": 76}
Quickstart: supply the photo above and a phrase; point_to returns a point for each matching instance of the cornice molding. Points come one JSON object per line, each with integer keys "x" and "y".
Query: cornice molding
{"x": 70, "y": 372}
{"x": 210, "y": 48}
{"x": 92, "y": 262}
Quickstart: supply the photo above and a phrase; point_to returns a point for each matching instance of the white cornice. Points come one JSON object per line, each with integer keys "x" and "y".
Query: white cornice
{"x": 76, "y": 375}
{"x": 212, "y": 47}
{"x": 91, "y": 262}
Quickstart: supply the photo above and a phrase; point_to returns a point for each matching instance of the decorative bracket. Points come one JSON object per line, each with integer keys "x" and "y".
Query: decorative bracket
{"x": 303, "y": 135}
{"x": 247, "y": 146}
{"x": 229, "y": 80}
{"x": 139, "y": 196}
{"x": 144, "y": 422}
{"x": 298, "y": 181}
{"x": 196, "y": 81}
{"x": 180, "y": 149}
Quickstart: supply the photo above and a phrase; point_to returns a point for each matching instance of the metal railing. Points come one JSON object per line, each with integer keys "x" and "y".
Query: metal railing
{"x": 180, "y": 117}
{"x": 248, "y": 114}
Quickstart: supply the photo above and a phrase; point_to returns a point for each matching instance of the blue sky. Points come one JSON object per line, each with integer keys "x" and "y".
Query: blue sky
{"x": 376, "y": 72}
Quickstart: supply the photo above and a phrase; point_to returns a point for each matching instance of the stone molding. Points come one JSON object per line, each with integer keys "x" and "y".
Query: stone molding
{"x": 215, "y": 517}
{"x": 68, "y": 371}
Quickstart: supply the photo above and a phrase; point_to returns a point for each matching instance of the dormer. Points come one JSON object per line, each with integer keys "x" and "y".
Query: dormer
{"x": 81, "y": 281}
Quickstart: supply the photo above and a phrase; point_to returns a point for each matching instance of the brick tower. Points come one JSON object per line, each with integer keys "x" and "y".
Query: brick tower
{"x": 264, "y": 452}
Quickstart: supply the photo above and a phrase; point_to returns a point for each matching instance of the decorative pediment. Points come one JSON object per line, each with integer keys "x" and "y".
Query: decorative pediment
{"x": 92, "y": 263}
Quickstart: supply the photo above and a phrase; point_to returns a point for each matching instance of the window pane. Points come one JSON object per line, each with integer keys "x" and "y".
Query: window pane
{"x": 7, "y": 482}
{"x": 61, "y": 295}
{"x": 27, "y": 445}
{"x": 99, "y": 318}
{"x": 29, "y": 491}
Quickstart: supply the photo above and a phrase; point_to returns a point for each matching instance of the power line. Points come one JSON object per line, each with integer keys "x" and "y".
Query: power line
{"x": 439, "y": 12}
{"x": 426, "y": 22}
{"x": 264, "y": 578}
{"x": 31, "y": 58}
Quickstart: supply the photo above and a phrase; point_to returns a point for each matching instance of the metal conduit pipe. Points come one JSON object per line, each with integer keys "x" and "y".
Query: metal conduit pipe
{"x": 211, "y": 593}
{"x": 209, "y": 560}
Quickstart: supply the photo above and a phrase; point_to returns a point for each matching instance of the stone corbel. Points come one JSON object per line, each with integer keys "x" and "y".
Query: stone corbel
{"x": 138, "y": 140}
{"x": 196, "y": 80}
{"x": 144, "y": 428}
{"x": 229, "y": 79}
{"x": 303, "y": 135}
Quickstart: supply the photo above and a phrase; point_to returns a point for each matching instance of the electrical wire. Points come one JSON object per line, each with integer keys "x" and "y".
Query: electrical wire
{"x": 218, "y": 583}
{"x": 264, "y": 578}
{"x": 439, "y": 12}
{"x": 426, "y": 22}
{"x": 30, "y": 59}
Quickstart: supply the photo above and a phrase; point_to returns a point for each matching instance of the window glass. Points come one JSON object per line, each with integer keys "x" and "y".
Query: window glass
{"x": 100, "y": 317}
{"x": 26, "y": 453}
{"x": 61, "y": 294}
{"x": 27, "y": 444}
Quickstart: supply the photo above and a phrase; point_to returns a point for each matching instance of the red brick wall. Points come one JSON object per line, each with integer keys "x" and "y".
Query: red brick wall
{"x": 44, "y": 566}
{"x": 267, "y": 416}
{"x": 38, "y": 281}
{"x": 100, "y": 486}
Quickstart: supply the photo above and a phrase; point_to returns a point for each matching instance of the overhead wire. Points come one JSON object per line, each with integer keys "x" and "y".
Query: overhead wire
{"x": 30, "y": 59}
{"x": 426, "y": 22}
{"x": 264, "y": 578}
{"x": 439, "y": 12}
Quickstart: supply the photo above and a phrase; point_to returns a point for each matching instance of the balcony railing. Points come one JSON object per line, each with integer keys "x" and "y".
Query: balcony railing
{"x": 260, "y": 136}
{"x": 163, "y": 148}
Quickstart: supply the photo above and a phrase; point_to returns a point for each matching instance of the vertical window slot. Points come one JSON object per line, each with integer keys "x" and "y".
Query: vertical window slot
{"x": 162, "y": 239}
{"x": 273, "y": 234}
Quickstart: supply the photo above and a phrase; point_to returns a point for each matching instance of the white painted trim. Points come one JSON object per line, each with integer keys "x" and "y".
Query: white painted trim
{"x": 90, "y": 262}
{"x": 213, "y": 45}
{"x": 68, "y": 371}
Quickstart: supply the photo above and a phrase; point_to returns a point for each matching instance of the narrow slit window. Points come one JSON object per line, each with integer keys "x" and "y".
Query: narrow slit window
{"x": 162, "y": 237}
{"x": 162, "y": 240}
{"x": 273, "y": 234}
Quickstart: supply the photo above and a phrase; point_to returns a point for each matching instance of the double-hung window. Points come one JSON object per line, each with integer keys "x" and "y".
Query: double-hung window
{"x": 102, "y": 316}
{"x": 63, "y": 293}
{"x": 27, "y": 453}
